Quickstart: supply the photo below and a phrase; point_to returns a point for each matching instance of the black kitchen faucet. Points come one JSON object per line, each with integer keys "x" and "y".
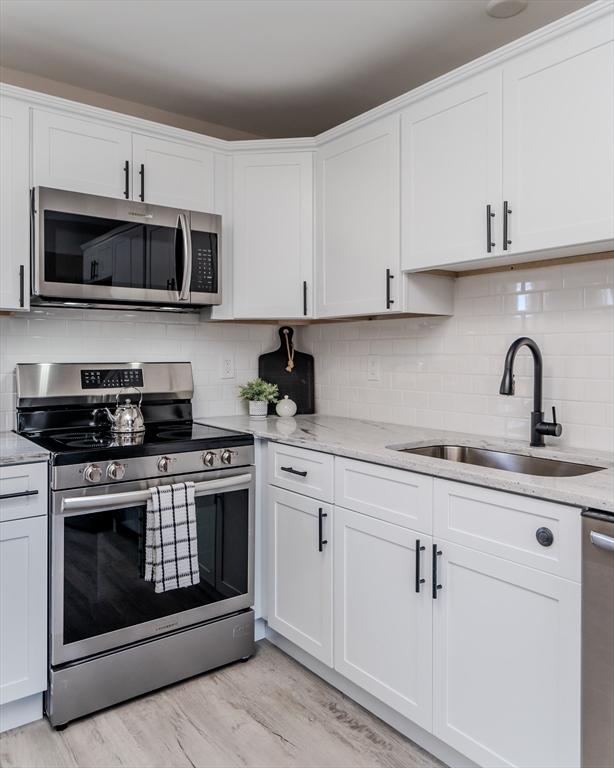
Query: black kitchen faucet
{"x": 539, "y": 427}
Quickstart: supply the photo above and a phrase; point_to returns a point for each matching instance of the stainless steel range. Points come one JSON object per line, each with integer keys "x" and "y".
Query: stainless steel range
{"x": 111, "y": 636}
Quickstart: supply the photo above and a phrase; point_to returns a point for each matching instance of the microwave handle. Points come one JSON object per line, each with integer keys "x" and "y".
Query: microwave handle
{"x": 130, "y": 498}
{"x": 184, "y": 294}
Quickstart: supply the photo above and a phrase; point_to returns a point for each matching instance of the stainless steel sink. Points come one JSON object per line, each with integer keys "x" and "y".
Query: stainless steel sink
{"x": 511, "y": 462}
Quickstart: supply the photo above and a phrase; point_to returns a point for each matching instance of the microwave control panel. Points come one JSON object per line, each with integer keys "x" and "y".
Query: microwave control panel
{"x": 204, "y": 263}
{"x": 114, "y": 378}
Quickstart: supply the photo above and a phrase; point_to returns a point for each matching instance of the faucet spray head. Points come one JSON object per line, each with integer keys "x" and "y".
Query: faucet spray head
{"x": 507, "y": 382}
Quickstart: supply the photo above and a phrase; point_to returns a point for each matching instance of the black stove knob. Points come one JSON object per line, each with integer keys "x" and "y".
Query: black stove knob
{"x": 92, "y": 473}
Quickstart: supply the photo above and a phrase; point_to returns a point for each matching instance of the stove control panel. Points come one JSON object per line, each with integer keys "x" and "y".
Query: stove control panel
{"x": 111, "y": 378}
{"x": 167, "y": 468}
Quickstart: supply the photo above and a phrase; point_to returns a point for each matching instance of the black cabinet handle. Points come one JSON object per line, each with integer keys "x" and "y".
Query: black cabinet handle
{"x": 418, "y": 579}
{"x": 506, "y": 211}
{"x": 305, "y": 297}
{"x": 489, "y": 241}
{"x": 142, "y": 175}
{"x": 22, "y": 288}
{"x": 389, "y": 300}
{"x": 321, "y": 541}
{"x": 436, "y": 587}
{"x": 17, "y": 495}
{"x": 127, "y": 179}
{"x": 293, "y": 471}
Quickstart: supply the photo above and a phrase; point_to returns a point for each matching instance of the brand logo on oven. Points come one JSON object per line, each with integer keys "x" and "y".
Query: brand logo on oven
{"x": 164, "y": 627}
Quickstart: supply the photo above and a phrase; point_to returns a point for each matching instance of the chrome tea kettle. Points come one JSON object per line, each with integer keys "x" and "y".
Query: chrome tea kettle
{"x": 128, "y": 417}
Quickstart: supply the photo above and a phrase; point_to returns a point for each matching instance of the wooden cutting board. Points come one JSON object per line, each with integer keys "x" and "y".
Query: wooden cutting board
{"x": 298, "y": 383}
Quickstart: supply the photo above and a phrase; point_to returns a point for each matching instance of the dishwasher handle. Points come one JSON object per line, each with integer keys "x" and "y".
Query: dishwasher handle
{"x": 602, "y": 541}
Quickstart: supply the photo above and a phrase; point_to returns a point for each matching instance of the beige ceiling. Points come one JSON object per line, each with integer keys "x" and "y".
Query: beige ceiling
{"x": 268, "y": 67}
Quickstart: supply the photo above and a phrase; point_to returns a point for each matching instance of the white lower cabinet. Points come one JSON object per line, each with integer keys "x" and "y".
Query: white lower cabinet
{"x": 23, "y": 608}
{"x": 300, "y": 559}
{"x": 506, "y": 661}
{"x": 472, "y": 633}
{"x": 382, "y": 620}
{"x": 23, "y": 592}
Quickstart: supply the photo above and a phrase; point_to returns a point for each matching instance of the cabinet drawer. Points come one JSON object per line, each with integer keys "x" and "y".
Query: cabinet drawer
{"x": 300, "y": 470}
{"x": 23, "y": 491}
{"x": 506, "y": 525}
{"x": 400, "y": 497}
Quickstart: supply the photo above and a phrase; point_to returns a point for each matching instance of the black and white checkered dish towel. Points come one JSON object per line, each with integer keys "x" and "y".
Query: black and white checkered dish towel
{"x": 171, "y": 543}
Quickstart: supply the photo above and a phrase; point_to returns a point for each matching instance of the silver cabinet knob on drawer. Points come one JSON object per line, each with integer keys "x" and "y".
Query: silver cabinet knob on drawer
{"x": 116, "y": 471}
{"x": 92, "y": 473}
{"x": 209, "y": 459}
{"x": 164, "y": 464}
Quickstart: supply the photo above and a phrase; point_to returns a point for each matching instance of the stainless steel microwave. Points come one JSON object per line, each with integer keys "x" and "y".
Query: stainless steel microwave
{"x": 91, "y": 250}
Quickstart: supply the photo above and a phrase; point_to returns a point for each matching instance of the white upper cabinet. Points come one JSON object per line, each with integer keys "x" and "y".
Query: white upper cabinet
{"x": 451, "y": 172}
{"x": 172, "y": 173}
{"x": 14, "y": 205}
{"x": 100, "y": 159}
{"x": 358, "y": 254}
{"x": 80, "y": 155}
{"x": 273, "y": 235}
{"x": 558, "y": 152}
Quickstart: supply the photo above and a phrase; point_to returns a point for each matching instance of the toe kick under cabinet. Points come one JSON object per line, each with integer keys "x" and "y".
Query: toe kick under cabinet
{"x": 457, "y": 606}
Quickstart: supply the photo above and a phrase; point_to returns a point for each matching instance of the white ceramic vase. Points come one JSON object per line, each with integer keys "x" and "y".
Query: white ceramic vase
{"x": 258, "y": 409}
{"x": 286, "y": 407}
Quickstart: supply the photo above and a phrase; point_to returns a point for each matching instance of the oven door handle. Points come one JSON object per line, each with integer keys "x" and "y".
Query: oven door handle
{"x": 184, "y": 225}
{"x": 131, "y": 498}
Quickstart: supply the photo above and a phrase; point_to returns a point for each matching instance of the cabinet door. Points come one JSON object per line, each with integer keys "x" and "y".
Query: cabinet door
{"x": 506, "y": 661}
{"x": 451, "y": 171}
{"x": 383, "y": 625}
{"x": 558, "y": 149}
{"x": 358, "y": 221}
{"x": 14, "y": 205}
{"x": 23, "y": 608}
{"x": 80, "y": 155}
{"x": 273, "y": 238}
{"x": 171, "y": 173}
{"x": 300, "y": 577}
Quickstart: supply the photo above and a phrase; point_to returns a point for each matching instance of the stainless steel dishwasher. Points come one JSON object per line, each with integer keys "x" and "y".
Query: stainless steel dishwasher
{"x": 597, "y": 639}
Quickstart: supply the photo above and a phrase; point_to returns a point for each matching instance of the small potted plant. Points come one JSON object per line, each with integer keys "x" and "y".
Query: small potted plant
{"x": 259, "y": 394}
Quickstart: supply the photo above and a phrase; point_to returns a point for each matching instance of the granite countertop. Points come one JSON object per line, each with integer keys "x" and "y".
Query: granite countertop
{"x": 15, "y": 449}
{"x": 368, "y": 441}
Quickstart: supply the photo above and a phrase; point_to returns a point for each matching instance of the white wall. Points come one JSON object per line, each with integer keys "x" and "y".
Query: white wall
{"x": 445, "y": 372}
{"x": 65, "y": 335}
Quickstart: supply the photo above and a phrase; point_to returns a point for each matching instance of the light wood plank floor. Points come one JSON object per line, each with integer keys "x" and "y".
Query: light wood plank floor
{"x": 267, "y": 712}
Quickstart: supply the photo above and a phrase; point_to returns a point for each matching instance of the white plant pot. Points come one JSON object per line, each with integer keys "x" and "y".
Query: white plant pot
{"x": 258, "y": 409}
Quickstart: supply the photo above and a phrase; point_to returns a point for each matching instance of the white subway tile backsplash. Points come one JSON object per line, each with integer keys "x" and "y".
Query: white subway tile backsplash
{"x": 449, "y": 369}
{"x": 63, "y": 335}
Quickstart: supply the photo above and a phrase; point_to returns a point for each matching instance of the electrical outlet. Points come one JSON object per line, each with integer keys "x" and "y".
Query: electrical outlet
{"x": 373, "y": 371}
{"x": 228, "y": 368}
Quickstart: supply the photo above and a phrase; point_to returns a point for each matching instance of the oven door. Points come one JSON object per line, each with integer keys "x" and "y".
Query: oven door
{"x": 96, "y": 249}
{"x": 99, "y": 599}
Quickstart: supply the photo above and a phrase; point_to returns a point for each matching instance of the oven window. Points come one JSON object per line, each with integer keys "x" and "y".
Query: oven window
{"x": 89, "y": 250}
{"x": 104, "y": 588}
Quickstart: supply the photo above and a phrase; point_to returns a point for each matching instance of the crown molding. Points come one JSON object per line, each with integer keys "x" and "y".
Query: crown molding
{"x": 555, "y": 29}
{"x": 118, "y": 119}
{"x": 574, "y": 20}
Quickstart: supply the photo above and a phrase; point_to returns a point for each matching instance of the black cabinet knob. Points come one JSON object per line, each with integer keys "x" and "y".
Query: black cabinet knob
{"x": 544, "y": 536}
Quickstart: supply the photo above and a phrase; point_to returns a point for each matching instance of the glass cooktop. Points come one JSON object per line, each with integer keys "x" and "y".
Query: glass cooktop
{"x": 72, "y": 445}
